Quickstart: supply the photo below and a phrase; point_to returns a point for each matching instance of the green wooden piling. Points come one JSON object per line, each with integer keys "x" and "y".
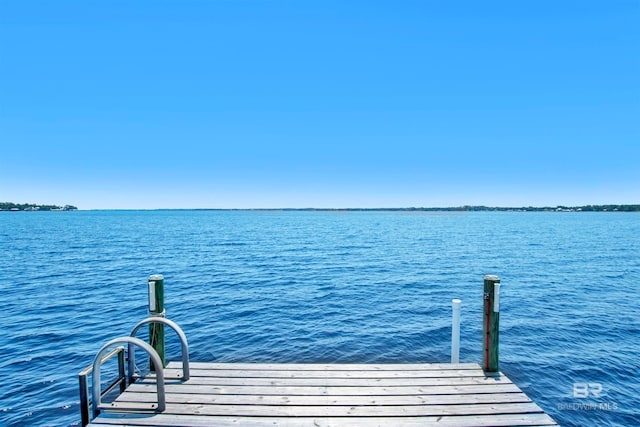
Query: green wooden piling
{"x": 490, "y": 325}
{"x": 156, "y": 308}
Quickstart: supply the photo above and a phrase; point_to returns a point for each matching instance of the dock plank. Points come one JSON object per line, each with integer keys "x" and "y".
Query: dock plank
{"x": 337, "y": 382}
{"x": 329, "y": 390}
{"x": 372, "y": 374}
{"x": 224, "y": 394}
{"x": 325, "y": 367}
{"x": 360, "y": 400}
{"x": 341, "y": 411}
{"x": 162, "y": 420}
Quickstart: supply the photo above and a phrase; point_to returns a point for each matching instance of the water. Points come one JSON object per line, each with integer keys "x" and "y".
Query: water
{"x": 251, "y": 286}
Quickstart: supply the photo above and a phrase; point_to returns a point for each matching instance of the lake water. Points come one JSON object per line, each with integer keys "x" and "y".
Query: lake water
{"x": 290, "y": 286}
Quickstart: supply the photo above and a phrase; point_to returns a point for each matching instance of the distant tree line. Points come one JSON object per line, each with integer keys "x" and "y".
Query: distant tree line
{"x": 587, "y": 208}
{"x": 9, "y": 206}
{"x": 621, "y": 208}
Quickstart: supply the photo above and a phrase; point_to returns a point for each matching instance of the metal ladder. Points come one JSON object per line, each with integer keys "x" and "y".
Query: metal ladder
{"x": 87, "y": 400}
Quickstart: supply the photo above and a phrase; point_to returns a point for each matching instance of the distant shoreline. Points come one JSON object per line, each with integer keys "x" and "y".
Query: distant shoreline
{"x": 586, "y": 208}
{"x": 15, "y": 207}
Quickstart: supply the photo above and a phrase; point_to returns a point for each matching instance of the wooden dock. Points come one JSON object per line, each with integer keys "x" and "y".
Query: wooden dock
{"x": 247, "y": 394}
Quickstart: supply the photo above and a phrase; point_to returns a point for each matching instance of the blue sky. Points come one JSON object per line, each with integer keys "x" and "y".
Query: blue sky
{"x": 240, "y": 104}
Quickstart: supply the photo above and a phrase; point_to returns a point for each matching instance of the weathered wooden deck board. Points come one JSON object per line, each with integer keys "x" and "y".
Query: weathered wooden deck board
{"x": 325, "y": 367}
{"x": 338, "y": 382}
{"x": 328, "y": 395}
{"x": 310, "y": 374}
{"x": 161, "y": 420}
{"x": 372, "y": 399}
{"x": 328, "y": 391}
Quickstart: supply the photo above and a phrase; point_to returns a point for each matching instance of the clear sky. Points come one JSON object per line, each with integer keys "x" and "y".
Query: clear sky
{"x": 241, "y": 104}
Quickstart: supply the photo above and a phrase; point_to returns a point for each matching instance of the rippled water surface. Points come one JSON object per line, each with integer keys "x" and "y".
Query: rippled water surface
{"x": 255, "y": 286}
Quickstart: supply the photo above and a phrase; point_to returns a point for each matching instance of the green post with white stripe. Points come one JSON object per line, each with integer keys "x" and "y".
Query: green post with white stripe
{"x": 491, "y": 324}
{"x": 156, "y": 308}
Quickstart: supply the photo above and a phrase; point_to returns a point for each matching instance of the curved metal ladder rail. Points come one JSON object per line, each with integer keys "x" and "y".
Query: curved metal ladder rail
{"x": 83, "y": 377}
{"x": 131, "y": 341}
{"x": 183, "y": 342}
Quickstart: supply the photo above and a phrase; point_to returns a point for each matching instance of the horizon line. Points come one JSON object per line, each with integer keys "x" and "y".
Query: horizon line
{"x": 411, "y": 208}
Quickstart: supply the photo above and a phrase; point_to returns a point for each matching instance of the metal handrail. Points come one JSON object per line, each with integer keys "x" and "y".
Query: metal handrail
{"x": 131, "y": 341}
{"x": 183, "y": 342}
{"x": 83, "y": 378}
{"x": 103, "y": 355}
